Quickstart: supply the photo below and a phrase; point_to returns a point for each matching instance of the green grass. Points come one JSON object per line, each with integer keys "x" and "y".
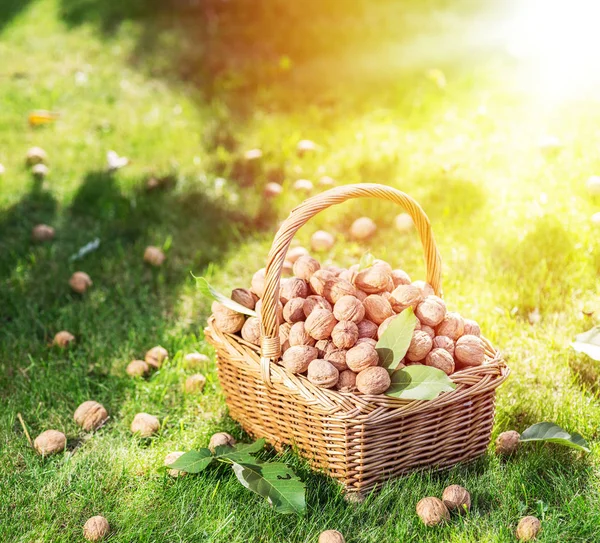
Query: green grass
{"x": 179, "y": 99}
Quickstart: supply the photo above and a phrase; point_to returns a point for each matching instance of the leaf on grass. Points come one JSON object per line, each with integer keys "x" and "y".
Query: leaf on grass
{"x": 275, "y": 482}
{"x": 588, "y": 343}
{"x": 394, "y": 342}
{"x": 419, "y": 383}
{"x": 206, "y": 289}
{"x": 241, "y": 452}
{"x": 550, "y": 432}
{"x": 366, "y": 261}
{"x": 193, "y": 461}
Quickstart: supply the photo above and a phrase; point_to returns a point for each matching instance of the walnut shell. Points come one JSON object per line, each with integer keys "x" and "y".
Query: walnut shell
{"x": 431, "y": 311}
{"x": 361, "y": 356}
{"x": 363, "y": 228}
{"x": 156, "y": 356}
{"x": 305, "y": 266}
{"x": 196, "y": 360}
{"x": 344, "y": 334}
{"x": 349, "y": 308}
{"x": 36, "y": 155}
{"x": 472, "y": 328}
{"x": 377, "y": 308}
{"x": 426, "y": 288}
{"x": 322, "y": 373}
{"x": 361, "y": 295}
{"x": 272, "y": 189}
{"x": 528, "y": 528}
{"x": 419, "y": 347}
{"x": 154, "y": 256}
{"x": 316, "y": 301}
{"x": 138, "y": 368}
{"x": 507, "y": 442}
{"x": 145, "y": 425}
{"x": 339, "y": 289}
{"x": 96, "y": 528}
{"x": 373, "y": 280}
{"x": 245, "y": 297}
{"x": 170, "y": 459}
{"x": 80, "y": 282}
{"x": 406, "y": 296}
{"x": 295, "y": 253}
{"x": 470, "y": 351}
{"x": 432, "y": 511}
{"x": 373, "y": 380}
{"x": 456, "y": 498}
{"x": 221, "y": 439}
{"x": 325, "y": 347}
{"x": 346, "y": 381}
{"x": 194, "y": 383}
{"x": 299, "y": 336}
{"x": 63, "y": 339}
{"x": 258, "y": 283}
{"x": 400, "y": 277}
{"x": 50, "y": 442}
{"x": 293, "y": 310}
{"x": 293, "y": 288}
{"x": 367, "y": 329}
{"x": 321, "y": 282}
{"x": 338, "y": 359}
{"x": 322, "y": 241}
{"x": 444, "y": 342}
{"x": 251, "y": 330}
{"x": 428, "y": 330}
{"x": 229, "y": 321}
{"x": 90, "y": 415}
{"x": 297, "y": 359}
{"x": 452, "y": 325}
{"x": 367, "y": 340}
{"x": 42, "y": 232}
{"x": 331, "y": 536}
{"x": 320, "y": 323}
{"x": 440, "y": 359}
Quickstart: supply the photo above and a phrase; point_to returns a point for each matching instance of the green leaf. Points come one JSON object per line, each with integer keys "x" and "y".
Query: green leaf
{"x": 550, "y": 432}
{"x": 241, "y": 452}
{"x": 366, "y": 261}
{"x": 275, "y": 482}
{"x": 419, "y": 383}
{"x": 206, "y": 289}
{"x": 394, "y": 342}
{"x": 588, "y": 343}
{"x": 193, "y": 461}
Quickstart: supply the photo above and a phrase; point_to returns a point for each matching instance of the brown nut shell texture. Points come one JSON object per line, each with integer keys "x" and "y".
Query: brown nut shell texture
{"x": 361, "y": 357}
{"x": 331, "y": 536}
{"x": 346, "y": 381}
{"x": 320, "y": 323}
{"x": 373, "y": 380}
{"x": 305, "y": 266}
{"x": 373, "y": 280}
{"x": 440, "y": 359}
{"x": 431, "y": 311}
{"x": 145, "y": 425}
{"x": 90, "y": 415}
{"x": 96, "y": 528}
{"x": 507, "y": 442}
{"x": 349, "y": 308}
{"x": 299, "y": 336}
{"x": 156, "y": 356}
{"x": 406, "y": 296}
{"x": 297, "y": 359}
{"x": 452, "y": 326}
{"x": 221, "y": 439}
{"x": 50, "y": 442}
{"x": 457, "y": 499}
{"x": 293, "y": 310}
{"x": 322, "y": 373}
{"x": 377, "y": 308}
{"x": 528, "y": 528}
{"x": 432, "y": 511}
{"x": 470, "y": 351}
{"x": 344, "y": 334}
{"x": 419, "y": 347}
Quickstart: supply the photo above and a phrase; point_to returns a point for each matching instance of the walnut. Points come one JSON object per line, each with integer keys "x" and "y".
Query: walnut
{"x": 377, "y": 308}
{"x": 42, "y": 232}
{"x": 432, "y": 511}
{"x": 338, "y": 359}
{"x": 80, "y": 282}
{"x": 322, "y": 373}
{"x": 272, "y": 189}
{"x": 63, "y": 339}
{"x": 452, "y": 326}
{"x": 349, "y": 308}
{"x": 320, "y": 323}
{"x": 403, "y": 222}
{"x": 470, "y": 351}
{"x": 244, "y": 297}
{"x": 373, "y": 280}
{"x": 137, "y": 368}
{"x": 361, "y": 356}
{"x": 154, "y": 256}
{"x": 303, "y": 185}
{"x": 325, "y": 347}
{"x": 96, "y": 528}
{"x": 346, "y": 381}
{"x": 227, "y": 320}
{"x": 456, "y": 498}
{"x": 145, "y": 425}
{"x": 363, "y": 228}
{"x": 322, "y": 241}
{"x": 344, "y": 334}
{"x": 156, "y": 356}
{"x": 428, "y": 330}
{"x": 420, "y": 346}
{"x": 296, "y": 359}
{"x": 258, "y": 282}
{"x": 36, "y": 155}
{"x": 440, "y": 359}
{"x": 361, "y": 295}
{"x": 444, "y": 342}
{"x": 279, "y": 310}
{"x": 384, "y": 326}
{"x": 348, "y": 275}
{"x": 90, "y": 415}
{"x": 426, "y": 288}
{"x": 170, "y": 459}
{"x": 431, "y": 311}
{"x": 293, "y": 311}
{"x": 406, "y": 296}
{"x": 400, "y": 277}
{"x": 472, "y": 328}
{"x": 194, "y": 383}
{"x": 373, "y": 380}
{"x": 367, "y": 340}
{"x": 299, "y": 336}
{"x": 196, "y": 360}
{"x": 528, "y": 528}
{"x": 293, "y": 288}
{"x": 507, "y": 442}
{"x": 321, "y": 282}
{"x": 339, "y": 289}
{"x": 50, "y": 442}
{"x": 315, "y": 301}
{"x": 295, "y": 253}
{"x": 336, "y": 270}
{"x": 305, "y": 266}
{"x": 367, "y": 329}
{"x": 331, "y": 536}
{"x": 221, "y": 439}
{"x": 251, "y": 330}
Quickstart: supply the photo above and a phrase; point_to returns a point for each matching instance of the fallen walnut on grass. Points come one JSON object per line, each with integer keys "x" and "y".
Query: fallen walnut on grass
{"x": 457, "y": 499}
{"x": 221, "y": 439}
{"x": 50, "y": 442}
{"x": 528, "y": 528}
{"x": 507, "y": 442}
{"x": 170, "y": 459}
{"x": 195, "y": 383}
{"x": 36, "y": 155}
{"x": 63, "y": 339}
{"x": 196, "y": 360}
{"x": 145, "y": 425}
{"x": 42, "y": 232}
{"x": 156, "y": 356}
{"x": 432, "y": 511}
{"x": 96, "y": 528}
{"x": 90, "y": 415}
{"x": 154, "y": 256}
{"x": 137, "y": 368}
{"x": 80, "y": 282}
{"x": 331, "y": 536}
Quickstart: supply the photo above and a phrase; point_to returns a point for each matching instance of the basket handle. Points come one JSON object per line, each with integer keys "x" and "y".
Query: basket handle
{"x": 270, "y": 344}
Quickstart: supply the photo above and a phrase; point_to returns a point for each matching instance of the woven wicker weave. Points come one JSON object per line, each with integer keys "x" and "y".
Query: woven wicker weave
{"x": 359, "y": 440}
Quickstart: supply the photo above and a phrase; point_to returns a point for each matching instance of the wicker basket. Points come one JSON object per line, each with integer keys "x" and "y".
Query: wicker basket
{"x": 359, "y": 440}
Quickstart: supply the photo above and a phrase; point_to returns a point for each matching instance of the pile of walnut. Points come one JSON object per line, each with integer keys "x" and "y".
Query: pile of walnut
{"x": 331, "y": 319}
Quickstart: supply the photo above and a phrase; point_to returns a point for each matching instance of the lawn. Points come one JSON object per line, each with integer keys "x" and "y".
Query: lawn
{"x": 183, "y": 89}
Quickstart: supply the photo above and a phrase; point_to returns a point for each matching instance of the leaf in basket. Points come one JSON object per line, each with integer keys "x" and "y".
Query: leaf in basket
{"x": 275, "y": 482}
{"x": 193, "y": 461}
{"x": 366, "y": 261}
{"x": 394, "y": 342}
{"x": 419, "y": 383}
{"x": 206, "y": 289}
{"x": 588, "y": 343}
{"x": 551, "y": 433}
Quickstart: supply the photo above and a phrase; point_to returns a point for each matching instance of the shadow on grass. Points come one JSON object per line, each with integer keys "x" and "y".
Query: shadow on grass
{"x": 9, "y": 9}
